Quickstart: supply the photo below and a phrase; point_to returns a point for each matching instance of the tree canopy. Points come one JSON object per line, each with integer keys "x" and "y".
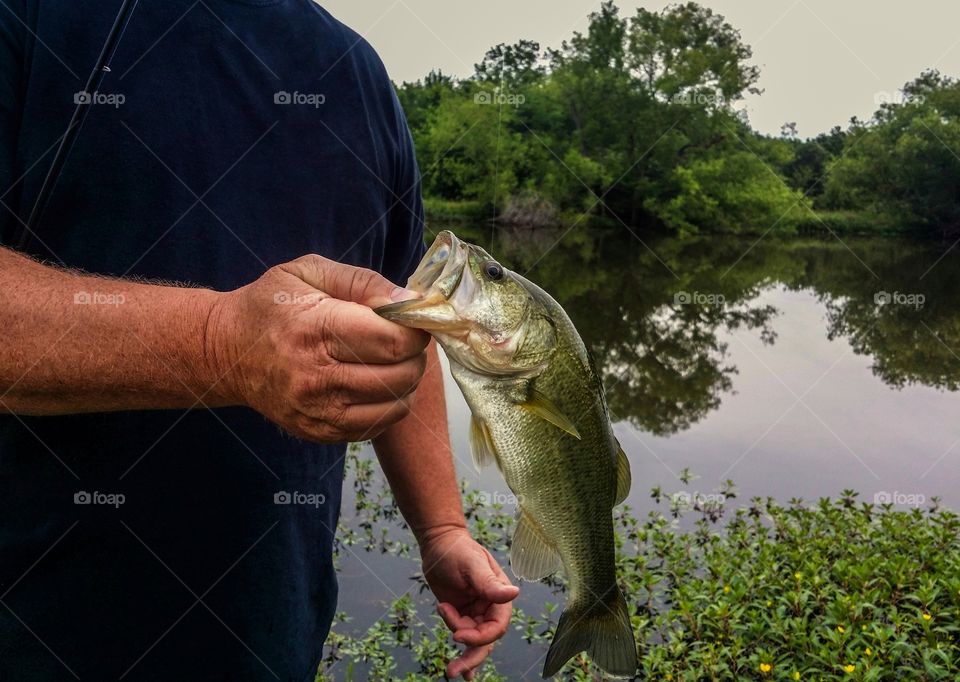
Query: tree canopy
{"x": 638, "y": 122}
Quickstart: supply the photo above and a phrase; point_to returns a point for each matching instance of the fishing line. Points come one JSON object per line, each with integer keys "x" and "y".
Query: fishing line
{"x": 84, "y": 104}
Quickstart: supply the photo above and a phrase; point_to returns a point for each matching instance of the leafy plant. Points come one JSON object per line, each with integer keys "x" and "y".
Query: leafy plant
{"x": 833, "y": 590}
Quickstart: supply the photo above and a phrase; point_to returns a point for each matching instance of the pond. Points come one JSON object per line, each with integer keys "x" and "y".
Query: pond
{"x": 796, "y": 367}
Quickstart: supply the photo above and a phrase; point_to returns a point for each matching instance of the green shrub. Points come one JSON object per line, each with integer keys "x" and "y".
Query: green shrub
{"x": 837, "y": 590}
{"x": 734, "y": 193}
{"x": 851, "y": 222}
{"x": 449, "y": 211}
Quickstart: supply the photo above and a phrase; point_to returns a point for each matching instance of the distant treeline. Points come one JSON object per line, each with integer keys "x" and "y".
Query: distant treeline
{"x": 633, "y": 123}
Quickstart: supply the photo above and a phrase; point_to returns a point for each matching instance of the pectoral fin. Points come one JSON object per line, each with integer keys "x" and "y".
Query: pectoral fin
{"x": 543, "y": 407}
{"x": 481, "y": 444}
{"x": 624, "y": 478}
{"x": 532, "y": 556}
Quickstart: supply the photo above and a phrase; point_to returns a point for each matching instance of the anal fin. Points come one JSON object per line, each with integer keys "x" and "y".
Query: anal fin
{"x": 532, "y": 556}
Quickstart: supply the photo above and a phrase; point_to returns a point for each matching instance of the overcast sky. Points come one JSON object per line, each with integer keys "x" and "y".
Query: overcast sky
{"x": 822, "y": 61}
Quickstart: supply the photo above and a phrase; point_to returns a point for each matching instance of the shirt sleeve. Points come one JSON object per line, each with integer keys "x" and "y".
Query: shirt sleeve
{"x": 404, "y": 245}
{"x": 12, "y": 45}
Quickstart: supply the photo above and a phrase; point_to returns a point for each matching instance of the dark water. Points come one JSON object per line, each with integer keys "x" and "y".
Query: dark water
{"x": 798, "y": 368}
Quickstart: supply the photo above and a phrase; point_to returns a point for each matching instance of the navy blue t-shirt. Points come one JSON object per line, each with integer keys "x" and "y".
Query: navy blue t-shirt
{"x": 228, "y": 137}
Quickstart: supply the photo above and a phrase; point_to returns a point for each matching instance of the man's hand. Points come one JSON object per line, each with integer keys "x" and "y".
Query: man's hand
{"x": 302, "y": 346}
{"x": 473, "y": 592}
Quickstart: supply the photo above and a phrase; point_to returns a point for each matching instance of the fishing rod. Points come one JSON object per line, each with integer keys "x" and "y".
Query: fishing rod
{"x": 84, "y": 104}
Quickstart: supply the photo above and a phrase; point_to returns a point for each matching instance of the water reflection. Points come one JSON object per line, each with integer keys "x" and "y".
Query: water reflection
{"x": 654, "y": 315}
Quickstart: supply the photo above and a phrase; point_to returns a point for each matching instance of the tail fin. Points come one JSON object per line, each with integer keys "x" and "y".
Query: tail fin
{"x": 602, "y": 629}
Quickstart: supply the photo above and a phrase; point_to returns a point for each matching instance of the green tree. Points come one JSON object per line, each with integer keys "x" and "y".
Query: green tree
{"x": 421, "y": 99}
{"x": 689, "y": 49}
{"x": 631, "y": 120}
{"x": 514, "y": 66}
{"x": 736, "y": 192}
{"x": 904, "y": 163}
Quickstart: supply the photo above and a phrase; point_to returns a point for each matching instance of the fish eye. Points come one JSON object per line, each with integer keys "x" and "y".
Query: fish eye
{"x": 493, "y": 270}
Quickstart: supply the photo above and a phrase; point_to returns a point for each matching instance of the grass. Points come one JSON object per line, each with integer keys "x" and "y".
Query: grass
{"x": 851, "y": 222}
{"x": 448, "y": 211}
{"x": 834, "y": 590}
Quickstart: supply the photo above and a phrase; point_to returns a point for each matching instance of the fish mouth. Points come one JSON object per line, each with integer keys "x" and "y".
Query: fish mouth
{"x": 435, "y": 279}
{"x": 445, "y": 249}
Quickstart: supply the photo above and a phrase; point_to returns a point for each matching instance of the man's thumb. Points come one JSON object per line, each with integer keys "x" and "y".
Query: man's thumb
{"x": 498, "y": 591}
{"x": 492, "y": 586}
{"x": 347, "y": 282}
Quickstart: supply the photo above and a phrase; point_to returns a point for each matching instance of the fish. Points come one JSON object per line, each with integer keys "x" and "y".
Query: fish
{"x": 538, "y": 413}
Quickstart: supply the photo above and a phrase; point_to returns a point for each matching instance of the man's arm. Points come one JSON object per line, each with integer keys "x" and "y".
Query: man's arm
{"x": 473, "y": 592}
{"x": 416, "y": 457}
{"x": 78, "y": 343}
{"x": 300, "y": 345}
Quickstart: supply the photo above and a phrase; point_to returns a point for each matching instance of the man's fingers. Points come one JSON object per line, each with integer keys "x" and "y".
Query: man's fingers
{"x": 363, "y": 422}
{"x": 453, "y": 619}
{"x": 358, "y": 335}
{"x": 346, "y": 282}
{"x": 492, "y": 627}
{"x": 471, "y": 658}
{"x": 477, "y": 632}
{"x": 365, "y": 384}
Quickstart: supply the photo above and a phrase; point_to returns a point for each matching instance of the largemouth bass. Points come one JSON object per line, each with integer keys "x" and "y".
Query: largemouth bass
{"x": 539, "y": 414}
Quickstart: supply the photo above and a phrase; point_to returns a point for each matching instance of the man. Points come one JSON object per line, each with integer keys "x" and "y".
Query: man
{"x": 147, "y": 526}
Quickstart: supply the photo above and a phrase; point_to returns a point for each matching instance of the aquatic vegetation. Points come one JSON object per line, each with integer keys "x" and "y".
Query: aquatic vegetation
{"x": 719, "y": 590}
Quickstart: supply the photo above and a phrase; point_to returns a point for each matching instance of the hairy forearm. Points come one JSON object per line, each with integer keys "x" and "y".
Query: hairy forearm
{"x": 79, "y": 343}
{"x": 416, "y": 458}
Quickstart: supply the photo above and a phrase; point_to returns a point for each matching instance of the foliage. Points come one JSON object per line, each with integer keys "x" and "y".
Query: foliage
{"x": 449, "y": 211}
{"x": 632, "y": 120}
{"x": 635, "y": 121}
{"x": 733, "y": 193}
{"x": 865, "y": 222}
{"x": 808, "y": 161}
{"x": 904, "y": 162}
{"x": 834, "y": 590}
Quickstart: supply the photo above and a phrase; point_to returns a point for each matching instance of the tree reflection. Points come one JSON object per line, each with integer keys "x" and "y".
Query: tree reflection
{"x": 655, "y": 316}
{"x": 906, "y": 318}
